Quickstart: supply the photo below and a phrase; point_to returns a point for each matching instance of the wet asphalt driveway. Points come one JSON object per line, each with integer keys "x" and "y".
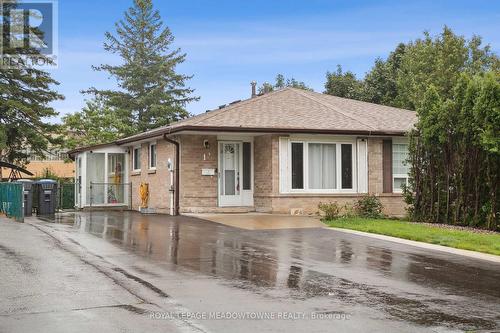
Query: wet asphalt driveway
{"x": 314, "y": 280}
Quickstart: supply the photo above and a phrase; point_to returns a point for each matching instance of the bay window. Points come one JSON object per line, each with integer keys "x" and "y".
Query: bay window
{"x": 317, "y": 166}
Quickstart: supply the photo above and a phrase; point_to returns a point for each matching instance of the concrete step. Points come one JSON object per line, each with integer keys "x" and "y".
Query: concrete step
{"x": 104, "y": 208}
{"x": 229, "y": 210}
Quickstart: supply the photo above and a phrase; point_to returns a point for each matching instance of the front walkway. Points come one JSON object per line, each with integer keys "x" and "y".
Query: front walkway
{"x": 261, "y": 221}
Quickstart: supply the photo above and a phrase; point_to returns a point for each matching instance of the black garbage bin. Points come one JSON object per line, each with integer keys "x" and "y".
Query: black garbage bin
{"x": 27, "y": 195}
{"x": 47, "y": 196}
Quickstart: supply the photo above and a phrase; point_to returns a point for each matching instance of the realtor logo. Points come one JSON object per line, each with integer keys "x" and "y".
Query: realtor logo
{"x": 27, "y": 33}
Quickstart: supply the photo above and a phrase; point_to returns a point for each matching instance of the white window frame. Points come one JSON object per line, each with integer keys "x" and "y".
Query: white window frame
{"x": 134, "y": 157}
{"x": 149, "y": 155}
{"x": 397, "y": 141}
{"x": 338, "y": 160}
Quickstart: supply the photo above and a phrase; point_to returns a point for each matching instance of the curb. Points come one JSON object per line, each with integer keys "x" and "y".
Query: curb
{"x": 466, "y": 253}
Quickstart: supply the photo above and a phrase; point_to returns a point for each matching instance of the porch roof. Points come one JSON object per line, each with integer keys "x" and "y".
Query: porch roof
{"x": 292, "y": 110}
{"x": 89, "y": 147}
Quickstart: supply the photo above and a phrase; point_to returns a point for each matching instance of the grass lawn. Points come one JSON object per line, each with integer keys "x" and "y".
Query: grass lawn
{"x": 460, "y": 239}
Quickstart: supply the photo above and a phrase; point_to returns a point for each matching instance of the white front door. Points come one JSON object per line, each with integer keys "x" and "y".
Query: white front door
{"x": 235, "y": 174}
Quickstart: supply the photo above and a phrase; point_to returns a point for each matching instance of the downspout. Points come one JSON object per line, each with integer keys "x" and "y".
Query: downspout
{"x": 176, "y": 176}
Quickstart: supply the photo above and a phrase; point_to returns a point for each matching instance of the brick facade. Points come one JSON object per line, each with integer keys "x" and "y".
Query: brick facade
{"x": 199, "y": 193}
{"x": 264, "y": 167}
{"x": 375, "y": 173}
{"x": 268, "y": 198}
{"x": 61, "y": 169}
{"x": 158, "y": 180}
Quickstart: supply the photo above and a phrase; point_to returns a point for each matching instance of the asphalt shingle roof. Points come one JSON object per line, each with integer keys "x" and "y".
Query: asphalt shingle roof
{"x": 296, "y": 110}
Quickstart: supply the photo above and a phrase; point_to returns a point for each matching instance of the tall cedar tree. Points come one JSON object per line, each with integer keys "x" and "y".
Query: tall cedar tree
{"x": 453, "y": 84}
{"x": 151, "y": 93}
{"x": 455, "y": 154}
{"x": 25, "y": 95}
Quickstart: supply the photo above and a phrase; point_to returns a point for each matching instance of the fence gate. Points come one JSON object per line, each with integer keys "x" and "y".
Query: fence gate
{"x": 67, "y": 196}
{"x": 11, "y": 200}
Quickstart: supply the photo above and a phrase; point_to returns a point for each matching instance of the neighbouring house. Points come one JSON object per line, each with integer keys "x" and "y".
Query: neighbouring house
{"x": 54, "y": 162}
{"x": 280, "y": 152}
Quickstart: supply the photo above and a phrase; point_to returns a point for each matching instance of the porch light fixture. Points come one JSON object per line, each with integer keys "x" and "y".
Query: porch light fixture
{"x": 206, "y": 144}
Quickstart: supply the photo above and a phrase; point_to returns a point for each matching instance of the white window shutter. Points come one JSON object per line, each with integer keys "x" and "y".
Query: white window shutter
{"x": 362, "y": 145}
{"x": 284, "y": 156}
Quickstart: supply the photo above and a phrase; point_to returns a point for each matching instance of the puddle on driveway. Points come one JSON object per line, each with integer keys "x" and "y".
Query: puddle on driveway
{"x": 410, "y": 284}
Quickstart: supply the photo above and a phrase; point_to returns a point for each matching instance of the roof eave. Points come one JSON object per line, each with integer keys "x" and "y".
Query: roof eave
{"x": 232, "y": 129}
{"x": 90, "y": 147}
{"x": 142, "y": 137}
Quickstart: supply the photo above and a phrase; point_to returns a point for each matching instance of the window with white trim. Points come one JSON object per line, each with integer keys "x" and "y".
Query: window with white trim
{"x": 297, "y": 165}
{"x": 400, "y": 167}
{"x": 318, "y": 167}
{"x": 136, "y": 158}
{"x": 322, "y": 171}
{"x": 152, "y": 156}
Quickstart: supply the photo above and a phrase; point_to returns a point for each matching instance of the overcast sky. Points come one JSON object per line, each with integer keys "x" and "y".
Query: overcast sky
{"x": 230, "y": 43}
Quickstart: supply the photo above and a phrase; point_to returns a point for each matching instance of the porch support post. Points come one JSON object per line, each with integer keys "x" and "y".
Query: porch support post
{"x": 83, "y": 181}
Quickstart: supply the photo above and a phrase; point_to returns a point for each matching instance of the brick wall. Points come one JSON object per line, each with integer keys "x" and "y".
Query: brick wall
{"x": 61, "y": 169}
{"x": 394, "y": 204}
{"x": 158, "y": 180}
{"x": 264, "y": 171}
{"x": 308, "y": 204}
{"x": 268, "y": 198}
{"x": 375, "y": 172}
{"x": 198, "y": 193}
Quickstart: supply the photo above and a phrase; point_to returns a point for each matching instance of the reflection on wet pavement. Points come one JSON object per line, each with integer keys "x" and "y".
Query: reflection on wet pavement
{"x": 406, "y": 283}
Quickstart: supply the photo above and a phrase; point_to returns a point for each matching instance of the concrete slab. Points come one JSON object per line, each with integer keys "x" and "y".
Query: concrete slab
{"x": 261, "y": 221}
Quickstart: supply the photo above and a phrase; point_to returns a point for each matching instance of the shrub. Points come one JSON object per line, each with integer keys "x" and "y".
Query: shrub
{"x": 331, "y": 210}
{"x": 349, "y": 211}
{"x": 369, "y": 206}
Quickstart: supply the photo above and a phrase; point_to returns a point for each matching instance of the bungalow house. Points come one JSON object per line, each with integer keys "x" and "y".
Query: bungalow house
{"x": 280, "y": 152}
